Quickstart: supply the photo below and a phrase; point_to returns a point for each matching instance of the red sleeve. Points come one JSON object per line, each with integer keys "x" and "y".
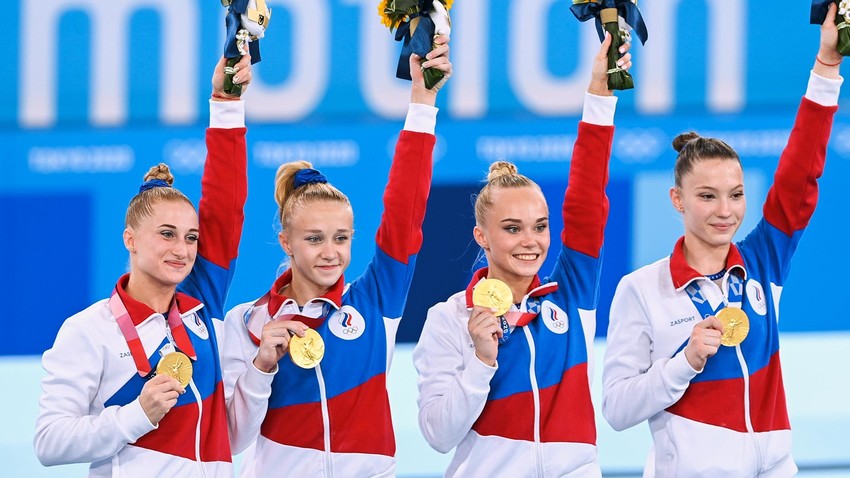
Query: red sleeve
{"x": 791, "y": 200}
{"x": 224, "y": 189}
{"x": 585, "y": 203}
{"x": 406, "y": 195}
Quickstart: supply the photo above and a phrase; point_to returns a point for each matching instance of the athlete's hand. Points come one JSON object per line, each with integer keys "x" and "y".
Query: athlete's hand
{"x": 242, "y": 77}
{"x": 484, "y": 328}
{"x": 599, "y": 72}
{"x": 704, "y": 342}
{"x": 158, "y": 396}
{"x": 274, "y": 342}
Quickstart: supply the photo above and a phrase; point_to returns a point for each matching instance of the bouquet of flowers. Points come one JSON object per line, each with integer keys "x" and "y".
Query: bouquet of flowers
{"x": 619, "y": 18}
{"x": 246, "y": 22}
{"x": 417, "y": 23}
{"x": 842, "y": 20}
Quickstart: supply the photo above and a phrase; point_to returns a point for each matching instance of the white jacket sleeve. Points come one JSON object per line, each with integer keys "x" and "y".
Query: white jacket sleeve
{"x": 246, "y": 389}
{"x": 452, "y": 389}
{"x": 71, "y": 426}
{"x": 634, "y": 387}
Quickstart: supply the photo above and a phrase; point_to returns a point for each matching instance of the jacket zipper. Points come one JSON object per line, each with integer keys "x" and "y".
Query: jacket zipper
{"x": 326, "y": 422}
{"x": 198, "y": 426}
{"x": 536, "y": 394}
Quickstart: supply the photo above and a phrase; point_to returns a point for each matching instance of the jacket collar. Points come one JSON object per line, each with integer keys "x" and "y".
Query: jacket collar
{"x": 140, "y": 312}
{"x": 277, "y": 300}
{"x": 683, "y": 274}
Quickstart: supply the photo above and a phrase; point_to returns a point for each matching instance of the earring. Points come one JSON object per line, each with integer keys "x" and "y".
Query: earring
{"x": 133, "y": 250}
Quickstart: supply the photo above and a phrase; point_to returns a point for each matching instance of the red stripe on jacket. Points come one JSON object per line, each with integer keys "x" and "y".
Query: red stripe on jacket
{"x": 406, "y": 195}
{"x": 224, "y": 189}
{"x": 174, "y": 437}
{"x": 566, "y": 412}
{"x": 721, "y": 402}
{"x": 585, "y": 207}
{"x": 791, "y": 201}
{"x": 353, "y": 428}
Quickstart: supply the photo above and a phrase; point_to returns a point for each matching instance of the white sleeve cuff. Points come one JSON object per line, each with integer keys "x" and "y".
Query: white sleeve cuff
{"x": 227, "y": 114}
{"x": 477, "y": 374}
{"x": 133, "y": 421}
{"x": 421, "y": 118}
{"x": 679, "y": 370}
{"x": 258, "y": 383}
{"x": 823, "y": 91}
{"x": 599, "y": 110}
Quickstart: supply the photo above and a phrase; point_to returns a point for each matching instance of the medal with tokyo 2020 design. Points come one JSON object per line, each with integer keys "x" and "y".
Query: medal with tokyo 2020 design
{"x": 493, "y": 294}
{"x": 176, "y": 365}
{"x": 307, "y": 351}
{"x": 736, "y": 326}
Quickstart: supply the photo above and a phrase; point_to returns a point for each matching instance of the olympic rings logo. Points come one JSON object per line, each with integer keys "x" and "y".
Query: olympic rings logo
{"x": 350, "y": 330}
{"x": 559, "y": 324}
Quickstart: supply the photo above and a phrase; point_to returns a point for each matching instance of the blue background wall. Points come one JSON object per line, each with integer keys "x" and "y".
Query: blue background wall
{"x": 99, "y": 91}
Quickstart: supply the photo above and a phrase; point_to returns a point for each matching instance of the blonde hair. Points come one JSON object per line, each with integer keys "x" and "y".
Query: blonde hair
{"x": 288, "y": 197}
{"x": 142, "y": 204}
{"x": 502, "y": 175}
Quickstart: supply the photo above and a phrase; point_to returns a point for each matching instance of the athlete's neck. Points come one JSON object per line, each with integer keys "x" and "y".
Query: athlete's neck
{"x": 705, "y": 258}
{"x": 156, "y": 296}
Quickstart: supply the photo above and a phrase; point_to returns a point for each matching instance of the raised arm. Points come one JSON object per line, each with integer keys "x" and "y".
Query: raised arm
{"x": 793, "y": 196}
{"x": 399, "y": 235}
{"x": 224, "y": 190}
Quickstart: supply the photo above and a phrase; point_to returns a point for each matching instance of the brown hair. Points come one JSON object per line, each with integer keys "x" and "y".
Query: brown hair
{"x": 693, "y": 148}
{"x": 502, "y": 175}
{"x": 142, "y": 204}
{"x": 288, "y": 197}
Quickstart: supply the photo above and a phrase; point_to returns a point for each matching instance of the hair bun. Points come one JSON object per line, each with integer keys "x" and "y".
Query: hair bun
{"x": 161, "y": 172}
{"x": 680, "y": 141}
{"x": 501, "y": 168}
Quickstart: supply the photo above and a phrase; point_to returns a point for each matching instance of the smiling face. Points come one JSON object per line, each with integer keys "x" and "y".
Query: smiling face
{"x": 711, "y": 200}
{"x": 164, "y": 244}
{"x": 515, "y": 235}
{"x": 317, "y": 240}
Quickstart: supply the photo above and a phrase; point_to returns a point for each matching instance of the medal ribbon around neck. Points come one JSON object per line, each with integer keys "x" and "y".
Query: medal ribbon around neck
{"x": 734, "y": 297}
{"x": 736, "y": 324}
{"x": 255, "y": 322}
{"x": 131, "y": 335}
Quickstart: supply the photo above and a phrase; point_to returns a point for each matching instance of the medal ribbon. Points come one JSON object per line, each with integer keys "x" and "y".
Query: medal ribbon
{"x": 255, "y": 322}
{"x": 735, "y": 288}
{"x": 131, "y": 335}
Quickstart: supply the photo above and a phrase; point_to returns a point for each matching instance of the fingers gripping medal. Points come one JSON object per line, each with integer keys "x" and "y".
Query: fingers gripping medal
{"x": 736, "y": 326}
{"x": 247, "y": 21}
{"x": 176, "y": 365}
{"x": 307, "y": 351}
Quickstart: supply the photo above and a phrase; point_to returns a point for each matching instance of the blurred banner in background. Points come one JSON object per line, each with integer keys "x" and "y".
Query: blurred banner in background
{"x": 98, "y": 91}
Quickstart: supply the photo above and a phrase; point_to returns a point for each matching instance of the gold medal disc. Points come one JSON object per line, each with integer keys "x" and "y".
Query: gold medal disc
{"x": 736, "y": 326}
{"x": 494, "y": 294}
{"x": 177, "y": 365}
{"x": 307, "y": 351}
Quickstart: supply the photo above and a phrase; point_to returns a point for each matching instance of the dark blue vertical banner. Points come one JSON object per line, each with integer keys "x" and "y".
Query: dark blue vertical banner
{"x": 445, "y": 264}
{"x": 618, "y": 248}
{"x": 40, "y": 296}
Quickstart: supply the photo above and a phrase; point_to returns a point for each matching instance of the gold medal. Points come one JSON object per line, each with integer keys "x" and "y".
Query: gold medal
{"x": 307, "y": 351}
{"x": 493, "y": 294}
{"x": 177, "y": 365}
{"x": 736, "y": 326}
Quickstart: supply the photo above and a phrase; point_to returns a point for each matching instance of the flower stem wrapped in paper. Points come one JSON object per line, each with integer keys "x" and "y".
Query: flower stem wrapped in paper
{"x": 417, "y": 23}
{"x": 842, "y": 21}
{"x": 619, "y": 18}
{"x": 246, "y": 22}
